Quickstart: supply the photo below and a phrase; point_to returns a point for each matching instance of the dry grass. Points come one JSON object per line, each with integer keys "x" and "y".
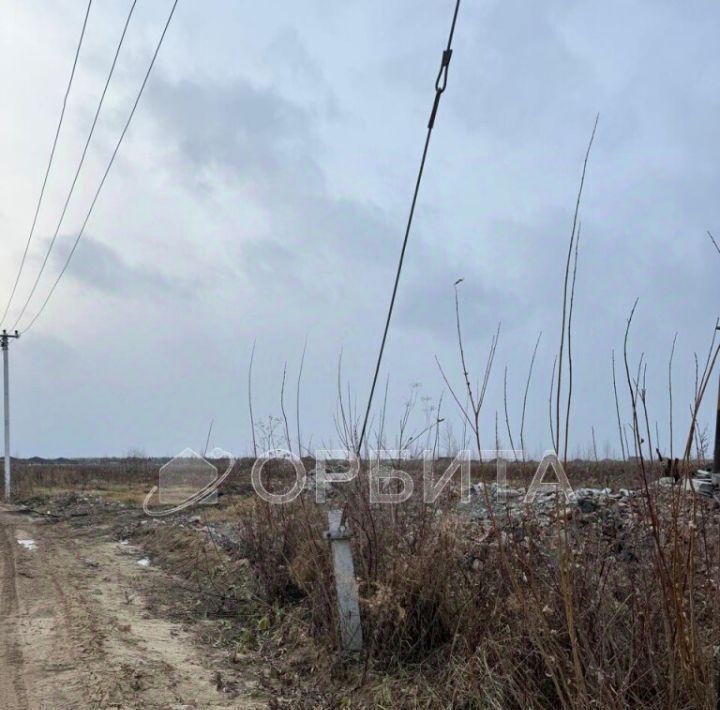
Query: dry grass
{"x": 606, "y": 612}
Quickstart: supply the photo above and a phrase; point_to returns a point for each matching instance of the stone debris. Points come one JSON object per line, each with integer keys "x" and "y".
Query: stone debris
{"x": 505, "y": 500}
{"x": 701, "y": 482}
{"x": 583, "y": 503}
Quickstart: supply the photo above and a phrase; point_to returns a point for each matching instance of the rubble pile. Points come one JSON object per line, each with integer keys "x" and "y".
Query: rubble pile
{"x": 503, "y": 501}
{"x": 701, "y": 482}
{"x": 582, "y": 504}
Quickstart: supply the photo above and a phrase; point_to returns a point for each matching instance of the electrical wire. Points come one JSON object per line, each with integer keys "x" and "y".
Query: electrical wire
{"x": 50, "y": 162}
{"x": 440, "y": 86}
{"x": 79, "y": 166}
{"x": 107, "y": 170}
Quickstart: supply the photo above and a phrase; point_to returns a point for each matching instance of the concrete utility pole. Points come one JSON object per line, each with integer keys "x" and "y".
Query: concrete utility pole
{"x": 4, "y": 342}
{"x": 345, "y": 583}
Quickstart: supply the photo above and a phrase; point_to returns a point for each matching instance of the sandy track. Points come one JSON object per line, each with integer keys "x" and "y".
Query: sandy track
{"x": 76, "y": 631}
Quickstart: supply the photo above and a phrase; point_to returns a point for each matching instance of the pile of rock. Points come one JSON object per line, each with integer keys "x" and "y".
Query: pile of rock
{"x": 510, "y": 501}
{"x": 701, "y": 483}
{"x": 583, "y": 503}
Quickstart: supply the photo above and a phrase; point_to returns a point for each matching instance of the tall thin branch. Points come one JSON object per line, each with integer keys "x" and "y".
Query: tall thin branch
{"x": 507, "y": 418}
{"x": 525, "y": 396}
{"x": 282, "y": 409}
{"x": 569, "y": 346}
{"x": 643, "y": 399}
{"x": 712, "y": 239}
{"x": 594, "y": 444}
{"x": 670, "y": 391}
{"x": 713, "y": 353}
{"x": 250, "y": 405}
{"x": 617, "y": 410}
{"x": 207, "y": 440}
{"x": 553, "y": 439}
{"x": 297, "y": 398}
{"x": 561, "y": 351}
{"x": 477, "y": 395}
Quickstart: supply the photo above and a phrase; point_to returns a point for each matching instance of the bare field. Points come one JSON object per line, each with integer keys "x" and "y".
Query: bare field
{"x": 609, "y": 602}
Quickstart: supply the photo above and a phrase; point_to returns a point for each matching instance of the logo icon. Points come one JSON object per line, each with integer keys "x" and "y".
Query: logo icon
{"x": 190, "y": 479}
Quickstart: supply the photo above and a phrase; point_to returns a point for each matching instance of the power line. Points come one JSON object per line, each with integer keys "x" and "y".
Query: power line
{"x": 50, "y": 162}
{"x": 440, "y": 85}
{"x": 80, "y": 165}
{"x": 107, "y": 170}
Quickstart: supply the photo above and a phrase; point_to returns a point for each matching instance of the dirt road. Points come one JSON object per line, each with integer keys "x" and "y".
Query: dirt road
{"x": 76, "y": 630}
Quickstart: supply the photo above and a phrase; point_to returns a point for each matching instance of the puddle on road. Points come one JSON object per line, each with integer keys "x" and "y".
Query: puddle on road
{"x": 28, "y": 544}
{"x": 144, "y": 562}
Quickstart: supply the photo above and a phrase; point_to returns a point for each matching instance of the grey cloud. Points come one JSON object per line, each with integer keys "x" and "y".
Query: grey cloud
{"x": 318, "y": 241}
{"x": 248, "y": 131}
{"x": 289, "y": 55}
{"x": 101, "y": 267}
{"x": 353, "y": 82}
{"x": 426, "y": 301}
{"x": 323, "y": 247}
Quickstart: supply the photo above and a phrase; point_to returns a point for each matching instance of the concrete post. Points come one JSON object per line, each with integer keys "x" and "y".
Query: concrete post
{"x": 345, "y": 583}
{"x": 6, "y": 410}
{"x": 4, "y": 342}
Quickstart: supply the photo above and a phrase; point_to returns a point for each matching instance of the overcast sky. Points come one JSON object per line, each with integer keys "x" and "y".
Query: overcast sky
{"x": 261, "y": 195}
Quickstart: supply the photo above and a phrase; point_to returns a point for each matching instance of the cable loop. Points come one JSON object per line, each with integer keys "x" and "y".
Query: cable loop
{"x": 441, "y": 81}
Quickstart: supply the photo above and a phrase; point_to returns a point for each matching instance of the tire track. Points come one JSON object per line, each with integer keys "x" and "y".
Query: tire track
{"x": 12, "y": 687}
{"x": 77, "y": 631}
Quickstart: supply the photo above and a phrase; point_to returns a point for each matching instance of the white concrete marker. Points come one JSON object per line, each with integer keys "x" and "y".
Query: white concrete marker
{"x": 345, "y": 583}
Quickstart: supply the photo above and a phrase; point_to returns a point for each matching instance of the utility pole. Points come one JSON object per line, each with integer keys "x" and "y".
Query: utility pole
{"x": 4, "y": 342}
